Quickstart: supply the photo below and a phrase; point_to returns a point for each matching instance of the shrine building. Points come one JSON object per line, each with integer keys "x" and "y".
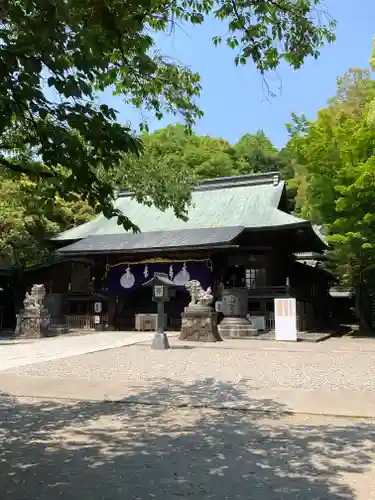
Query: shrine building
{"x": 238, "y": 235}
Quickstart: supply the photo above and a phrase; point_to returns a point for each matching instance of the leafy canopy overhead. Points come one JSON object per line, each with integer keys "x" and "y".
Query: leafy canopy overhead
{"x": 56, "y": 56}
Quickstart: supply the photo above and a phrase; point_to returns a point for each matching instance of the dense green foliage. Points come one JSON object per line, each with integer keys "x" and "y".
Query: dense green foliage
{"x": 56, "y": 56}
{"x": 336, "y": 153}
{"x": 203, "y": 157}
{"x": 371, "y": 106}
{"x": 30, "y": 212}
{"x": 335, "y": 157}
{"x": 28, "y": 217}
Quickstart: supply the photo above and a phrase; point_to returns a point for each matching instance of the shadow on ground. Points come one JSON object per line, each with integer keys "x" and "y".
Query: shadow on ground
{"x": 203, "y": 392}
{"x": 113, "y": 451}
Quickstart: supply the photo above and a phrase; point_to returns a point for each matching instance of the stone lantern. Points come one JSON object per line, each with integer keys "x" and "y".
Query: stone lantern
{"x": 161, "y": 286}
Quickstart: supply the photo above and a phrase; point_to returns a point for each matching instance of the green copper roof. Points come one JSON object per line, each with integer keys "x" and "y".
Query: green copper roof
{"x": 250, "y": 201}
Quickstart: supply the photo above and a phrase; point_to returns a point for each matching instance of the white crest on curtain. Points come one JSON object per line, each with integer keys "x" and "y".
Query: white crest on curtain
{"x": 127, "y": 280}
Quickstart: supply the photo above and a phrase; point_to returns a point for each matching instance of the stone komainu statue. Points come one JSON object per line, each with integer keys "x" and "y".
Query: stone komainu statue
{"x": 33, "y": 321}
{"x": 34, "y": 299}
{"x": 199, "y": 296}
{"x": 198, "y": 321}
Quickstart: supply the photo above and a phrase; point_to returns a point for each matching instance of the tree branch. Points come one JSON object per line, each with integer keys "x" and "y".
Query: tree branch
{"x": 23, "y": 169}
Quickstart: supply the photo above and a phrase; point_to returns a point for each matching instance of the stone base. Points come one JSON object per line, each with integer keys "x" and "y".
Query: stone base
{"x": 160, "y": 341}
{"x": 33, "y": 327}
{"x": 236, "y": 328}
{"x": 199, "y": 323}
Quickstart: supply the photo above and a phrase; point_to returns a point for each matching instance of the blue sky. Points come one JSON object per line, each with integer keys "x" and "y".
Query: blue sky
{"x": 233, "y": 98}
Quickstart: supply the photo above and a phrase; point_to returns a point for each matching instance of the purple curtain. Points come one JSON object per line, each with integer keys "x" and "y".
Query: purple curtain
{"x": 127, "y": 277}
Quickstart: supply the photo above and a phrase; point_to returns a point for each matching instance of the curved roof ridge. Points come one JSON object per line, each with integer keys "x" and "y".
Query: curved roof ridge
{"x": 273, "y": 178}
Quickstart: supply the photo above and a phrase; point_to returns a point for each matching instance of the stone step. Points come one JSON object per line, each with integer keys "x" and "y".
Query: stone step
{"x": 58, "y": 329}
{"x": 236, "y": 327}
{"x": 238, "y": 332}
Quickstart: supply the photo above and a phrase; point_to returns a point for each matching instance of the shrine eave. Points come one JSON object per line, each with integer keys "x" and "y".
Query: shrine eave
{"x": 212, "y": 238}
{"x": 148, "y": 242}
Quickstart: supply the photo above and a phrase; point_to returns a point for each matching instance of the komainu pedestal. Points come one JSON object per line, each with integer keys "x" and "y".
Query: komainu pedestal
{"x": 198, "y": 321}
{"x": 33, "y": 321}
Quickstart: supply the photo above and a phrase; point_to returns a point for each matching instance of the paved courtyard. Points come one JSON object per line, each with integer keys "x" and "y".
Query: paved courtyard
{"x": 332, "y": 377}
{"x": 239, "y": 419}
{"x": 107, "y": 451}
{"x": 329, "y": 365}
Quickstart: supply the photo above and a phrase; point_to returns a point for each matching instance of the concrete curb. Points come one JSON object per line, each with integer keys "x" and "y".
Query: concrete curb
{"x": 195, "y": 406}
{"x": 275, "y": 400}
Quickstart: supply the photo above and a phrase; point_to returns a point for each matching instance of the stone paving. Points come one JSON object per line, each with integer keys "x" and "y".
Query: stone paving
{"x": 21, "y": 352}
{"x": 235, "y": 438}
{"x": 332, "y": 378}
{"x": 329, "y": 365}
{"x": 104, "y": 451}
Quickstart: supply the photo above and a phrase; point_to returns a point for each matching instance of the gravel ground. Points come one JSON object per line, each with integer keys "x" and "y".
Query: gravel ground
{"x": 101, "y": 451}
{"x": 245, "y": 363}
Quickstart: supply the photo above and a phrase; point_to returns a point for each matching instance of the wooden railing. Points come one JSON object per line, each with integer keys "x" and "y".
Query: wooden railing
{"x": 81, "y": 321}
{"x": 269, "y": 322}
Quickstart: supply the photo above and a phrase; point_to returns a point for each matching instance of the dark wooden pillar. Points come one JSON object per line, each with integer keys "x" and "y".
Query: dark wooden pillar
{"x": 112, "y": 304}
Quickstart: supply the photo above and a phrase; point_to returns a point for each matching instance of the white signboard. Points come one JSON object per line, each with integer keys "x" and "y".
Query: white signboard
{"x": 285, "y": 319}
